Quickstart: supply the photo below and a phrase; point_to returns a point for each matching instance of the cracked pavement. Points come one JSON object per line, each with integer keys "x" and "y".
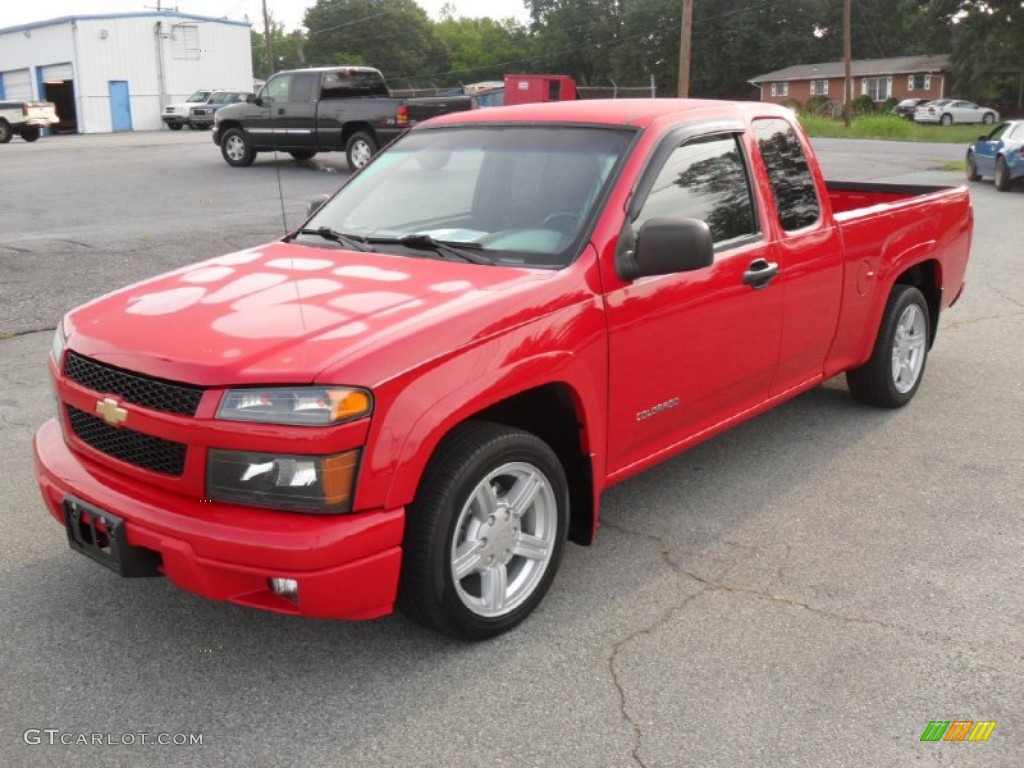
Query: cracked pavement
{"x": 808, "y": 589}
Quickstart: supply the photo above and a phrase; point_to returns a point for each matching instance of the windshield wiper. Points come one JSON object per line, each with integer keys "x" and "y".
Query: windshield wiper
{"x": 351, "y": 241}
{"x": 461, "y": 251}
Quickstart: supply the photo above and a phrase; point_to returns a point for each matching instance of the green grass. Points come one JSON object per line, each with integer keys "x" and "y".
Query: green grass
{"x": 890, "y": 128}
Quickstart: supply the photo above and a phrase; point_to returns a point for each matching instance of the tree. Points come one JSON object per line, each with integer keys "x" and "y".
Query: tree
{"x": 396, "y": 36}
{"x": 987, "y": 40}
{"x": 287, "y": 48}
{"x": 575, "y": 37}
{"x": 479, "y": 49}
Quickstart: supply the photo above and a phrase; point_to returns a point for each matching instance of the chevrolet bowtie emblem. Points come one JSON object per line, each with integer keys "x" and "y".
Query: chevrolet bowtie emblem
{"x": 111, "y": 412}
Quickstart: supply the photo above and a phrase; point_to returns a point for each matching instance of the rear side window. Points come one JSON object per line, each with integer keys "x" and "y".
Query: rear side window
{"x": 302, "y": 88}
{"x": 796, "y": 197}
{"x": 705, "y": 179}
{"x": 354, "y": 82}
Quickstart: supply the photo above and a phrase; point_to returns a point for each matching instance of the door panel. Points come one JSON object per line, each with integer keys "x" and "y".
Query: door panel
{"x": 689, "y": 350}
{"x": 809, "y": 253}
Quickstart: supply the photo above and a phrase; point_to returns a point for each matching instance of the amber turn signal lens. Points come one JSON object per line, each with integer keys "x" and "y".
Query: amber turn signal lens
{"x": 348, "y": 404}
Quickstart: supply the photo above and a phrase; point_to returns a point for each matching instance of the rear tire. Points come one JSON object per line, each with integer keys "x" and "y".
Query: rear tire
{"x": 891, "y": 376}
{"x": 359, "y": 150}
{"x": 972, "y": 168}
{"x": 485, "y": 533}
{"x": 30, "y": 133}
{"x": 5, "y": 131}
{"x": 1003, "y": 180}
{"x": 946, "y": 120}
{"x": 236, "y": 149}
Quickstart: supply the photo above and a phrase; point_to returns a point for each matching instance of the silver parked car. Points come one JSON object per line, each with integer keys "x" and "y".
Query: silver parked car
{"x": 949, "y": 111}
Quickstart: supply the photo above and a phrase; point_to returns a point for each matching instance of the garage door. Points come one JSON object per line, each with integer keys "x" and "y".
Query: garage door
{"x": 57, "y": 72}
{"x": 18, "y": 85}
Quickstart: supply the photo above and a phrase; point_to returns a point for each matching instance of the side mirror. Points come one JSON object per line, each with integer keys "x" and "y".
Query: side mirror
{"x": 315, "y": 204}
{"x": 665, "y": 246}
{"x": 252, "y": 98}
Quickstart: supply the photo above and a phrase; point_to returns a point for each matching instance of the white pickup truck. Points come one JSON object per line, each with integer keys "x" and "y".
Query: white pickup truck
{"x": 26, "y": 119}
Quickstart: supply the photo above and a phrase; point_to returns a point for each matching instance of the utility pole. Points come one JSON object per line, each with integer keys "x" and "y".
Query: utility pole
{"x": 685, "y": 38}
{"x": 266, "y": 37}
{"x": 847, "y": 53}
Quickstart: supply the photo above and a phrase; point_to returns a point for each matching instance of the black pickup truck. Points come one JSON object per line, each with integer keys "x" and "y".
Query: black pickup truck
{"x": 328, "y": 109}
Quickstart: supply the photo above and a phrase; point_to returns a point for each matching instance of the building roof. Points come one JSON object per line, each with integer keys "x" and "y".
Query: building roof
{"x": 901, "y": 65}
{"x": 100, "y": 16}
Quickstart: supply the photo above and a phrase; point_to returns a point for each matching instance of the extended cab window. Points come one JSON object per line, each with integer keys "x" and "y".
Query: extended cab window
{"x": 705, "y": 179}
{"x": 796, "y": 197}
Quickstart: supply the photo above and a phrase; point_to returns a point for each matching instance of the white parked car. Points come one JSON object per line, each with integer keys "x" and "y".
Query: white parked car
{"x": 949, "y": 111}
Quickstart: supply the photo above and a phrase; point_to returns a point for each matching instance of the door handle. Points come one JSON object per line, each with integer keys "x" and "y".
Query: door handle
{"x": 760, "y": 273}
{"x": 280, "y": 110}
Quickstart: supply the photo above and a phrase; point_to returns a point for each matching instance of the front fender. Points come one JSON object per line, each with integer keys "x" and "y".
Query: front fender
{"x": 417, "y": 411}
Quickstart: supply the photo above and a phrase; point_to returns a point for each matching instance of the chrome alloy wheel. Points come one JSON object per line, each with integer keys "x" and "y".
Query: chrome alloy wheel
{"x": 908, "y": 349}
{"x": 361, "y": 154}
{"x": 234, "y": 148}
{"x": 504, "y": 539}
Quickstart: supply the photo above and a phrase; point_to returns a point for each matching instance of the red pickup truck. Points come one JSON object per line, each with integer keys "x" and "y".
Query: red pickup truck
{"x": 420, "y": 395}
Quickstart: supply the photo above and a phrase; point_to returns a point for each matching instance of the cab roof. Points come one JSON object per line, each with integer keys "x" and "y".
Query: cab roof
{"x": 625, "y": 112}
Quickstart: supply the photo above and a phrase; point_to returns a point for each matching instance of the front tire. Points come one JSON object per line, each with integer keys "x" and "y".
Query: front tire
{"x": 236, "y": 149}
{"x": 174, "y": 126}
{"x": 31, "y": 133}
{"x": 5, "y": 131}
{"x": 891, "y": 376}
{"x": 1003, "y": 180}
{"x": 988, "y": 118}
{"x": 972, "y": 168}
{"x": 485, "y": 533}
{"x": 359, "y": 150}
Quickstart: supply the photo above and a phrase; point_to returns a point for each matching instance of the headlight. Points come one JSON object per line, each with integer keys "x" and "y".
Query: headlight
{"x": 59, "y": 343}
{"x": 282, "y": 481}
{"x": 302, "y": 406}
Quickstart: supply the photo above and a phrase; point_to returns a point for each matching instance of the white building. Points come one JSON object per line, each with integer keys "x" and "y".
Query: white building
{"x": 116, "y": 72}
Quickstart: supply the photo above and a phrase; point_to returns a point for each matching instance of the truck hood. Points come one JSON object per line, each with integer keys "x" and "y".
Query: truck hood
{"x": 290, "y": 314}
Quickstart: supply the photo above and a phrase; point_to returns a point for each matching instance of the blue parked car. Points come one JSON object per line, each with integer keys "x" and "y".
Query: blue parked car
{"x": 999, "y": 155}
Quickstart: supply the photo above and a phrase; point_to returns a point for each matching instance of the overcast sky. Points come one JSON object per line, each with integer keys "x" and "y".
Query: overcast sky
{"x": 289, "y": 12}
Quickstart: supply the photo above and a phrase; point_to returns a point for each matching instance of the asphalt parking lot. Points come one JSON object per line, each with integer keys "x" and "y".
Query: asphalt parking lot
{"x": 809, "y": 589}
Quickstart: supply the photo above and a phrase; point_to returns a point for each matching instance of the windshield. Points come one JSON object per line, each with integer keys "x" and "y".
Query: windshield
{"x": 199, "y": 96}
{"x": 519, "y": 194}
{"x": 222, "y": 98}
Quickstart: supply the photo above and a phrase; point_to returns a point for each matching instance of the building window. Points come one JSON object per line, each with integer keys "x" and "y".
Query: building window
{"x": 819, "y": 87}
{"x": 876, "y": 88}
{"x": 919, "y": 82}
{"x": 185, "y": 41}
{"x": 780, "y": 89}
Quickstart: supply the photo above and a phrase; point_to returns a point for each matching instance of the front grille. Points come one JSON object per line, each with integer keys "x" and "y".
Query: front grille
{"x": 146, "y": 451}
{"x": 152, "y": 393}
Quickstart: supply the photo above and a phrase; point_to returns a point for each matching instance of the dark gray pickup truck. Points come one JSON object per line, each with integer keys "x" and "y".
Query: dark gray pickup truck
{"x": 329, "y": 109}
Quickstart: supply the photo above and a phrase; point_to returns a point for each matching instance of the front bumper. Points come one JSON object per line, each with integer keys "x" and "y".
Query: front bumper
{"x": 346, "y": 565}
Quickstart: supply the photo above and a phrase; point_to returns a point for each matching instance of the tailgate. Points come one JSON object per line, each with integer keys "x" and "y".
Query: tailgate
{"x": 40, "y": 111}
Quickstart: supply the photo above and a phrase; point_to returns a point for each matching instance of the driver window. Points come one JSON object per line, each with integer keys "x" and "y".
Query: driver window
{"x": 706, "y": 179}
{"x": 277, "y": 88}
